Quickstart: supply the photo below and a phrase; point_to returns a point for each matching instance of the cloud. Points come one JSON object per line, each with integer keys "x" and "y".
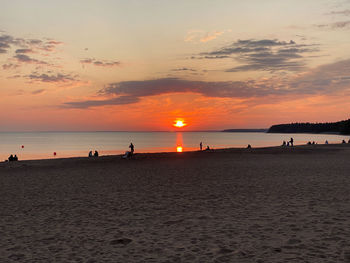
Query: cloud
{"x": 341, "y": 12}
{"x": 24, "y": 51}
{"x": 99, "y": 63}
{"x": 324, "y": 80}
{"x": 9, "y": 66}
{"x": 335, "y": 25}
{"x": 265, "y": 54}
{"x": 51, "y": 78}
{"x": 8, "y": 41}
{"x": 202, "y": 36}
{"x": 38, "y": 91}
{"x": 26, "y": 59}
{"x": 122, "y": 100}
{"x": 183, "y": 69}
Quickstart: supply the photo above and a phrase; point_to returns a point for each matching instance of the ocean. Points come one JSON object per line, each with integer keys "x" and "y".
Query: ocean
{"x": 43, "y": 145}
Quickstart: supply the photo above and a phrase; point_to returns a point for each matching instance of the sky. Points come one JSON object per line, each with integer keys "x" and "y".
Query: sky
{"x": 141, "y": 65}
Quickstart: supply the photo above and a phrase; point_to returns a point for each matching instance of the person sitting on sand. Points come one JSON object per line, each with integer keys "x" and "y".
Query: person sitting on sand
{"x": 131, "y": 146}
{"x": 90, "y": 154}
{"x": 10, "y": 158}
{"x": 308, "y": 143}
{"x": 96, "y": 153}
{"x": 15, "y": 158}
{"x": 249, "y": 146}
{"x": 343, "y": 141}
{"x": 284, "y": 143}
{"x": 208, "y": 148}
{"x": 326, "y": 142}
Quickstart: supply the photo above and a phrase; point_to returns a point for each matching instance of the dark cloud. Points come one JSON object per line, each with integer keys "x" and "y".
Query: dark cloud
{"x": 265, "y": 54}
{"x": 99, "y": 63}
{"x": 24, "y": 51}
{"x": 324, "y": 80}
{"x": 7, "y": 41}
{"x": 52, "y": 78}
{"x": 122, "y": 100}
{"x": 26, "y": 59}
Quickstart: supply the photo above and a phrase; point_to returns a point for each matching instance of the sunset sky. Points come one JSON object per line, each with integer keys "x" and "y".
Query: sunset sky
{"x": 141, "y": 65}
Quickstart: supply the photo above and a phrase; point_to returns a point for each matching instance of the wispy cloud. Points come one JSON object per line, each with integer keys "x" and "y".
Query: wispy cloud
{"x": 335, "y": 25}
{"x": 202, "y": 36}
{"x": 345, "y": 12}
{"x": 100, "y": 63}
{"x": 265, "y": 54}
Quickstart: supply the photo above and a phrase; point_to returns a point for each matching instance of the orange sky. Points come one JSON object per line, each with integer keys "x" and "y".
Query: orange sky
{"x": 132, "y": 65}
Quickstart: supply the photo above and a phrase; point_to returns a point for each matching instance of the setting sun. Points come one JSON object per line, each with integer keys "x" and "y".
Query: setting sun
{"x": 179, "y": 149}
{"x": 179, "y": 123}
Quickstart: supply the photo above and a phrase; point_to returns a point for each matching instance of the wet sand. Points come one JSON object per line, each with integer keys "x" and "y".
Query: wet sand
{"x": 235, "y": 205}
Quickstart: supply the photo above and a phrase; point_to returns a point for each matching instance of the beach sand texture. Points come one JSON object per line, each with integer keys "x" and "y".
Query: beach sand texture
{"x": 234, "y": 205}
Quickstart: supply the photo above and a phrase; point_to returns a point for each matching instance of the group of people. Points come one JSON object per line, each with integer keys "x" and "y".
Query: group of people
{"x": 93, "y": 155}
{"x": 13, "y": 158}
{"x": 201, "y": 147}
{"x": 288, "y": 143}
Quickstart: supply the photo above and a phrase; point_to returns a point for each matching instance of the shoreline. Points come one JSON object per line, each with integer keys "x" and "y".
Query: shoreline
{"x": 174, "y": 154}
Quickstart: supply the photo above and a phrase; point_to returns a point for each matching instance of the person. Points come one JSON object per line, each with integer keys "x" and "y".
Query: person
{"x": 343, "y": 141}
{"x": 131, "y": 146}
{"x": 313, "y": 143}
{"x": 15, "y": 158}
{"x": 201, "y": 145}
{"x": 249, "y": 146}
{"x": 284, "y": 143}
{"x": 208, "y": 148}
{"x": 11, "y": 158}
{"x": 291, "y": 141}
{"x": 308, "y": 143}
{"x": 326, "y": 142}
{"x": 90, "y": 154}
{"x": 96, "y": 153}
{"x": 287, "y": 143}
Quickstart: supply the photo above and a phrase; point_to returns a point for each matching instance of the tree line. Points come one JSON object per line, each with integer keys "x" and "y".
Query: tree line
{"x": 341, "y": 127}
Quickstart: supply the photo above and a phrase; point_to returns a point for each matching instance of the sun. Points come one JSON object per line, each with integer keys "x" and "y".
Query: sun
{"x": 179, "y": 123}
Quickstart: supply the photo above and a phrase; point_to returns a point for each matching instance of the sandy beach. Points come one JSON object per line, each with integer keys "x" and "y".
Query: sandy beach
{"x": 234, "y": 205}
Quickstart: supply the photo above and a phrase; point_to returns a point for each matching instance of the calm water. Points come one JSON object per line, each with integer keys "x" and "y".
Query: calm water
{"x": 39, "y": 145}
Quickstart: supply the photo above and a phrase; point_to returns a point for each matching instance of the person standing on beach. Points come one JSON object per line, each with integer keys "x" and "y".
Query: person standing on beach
{"x": 200, "y": 146}
{"x": 131, "y": 146}
{"x": 291, "y": 141}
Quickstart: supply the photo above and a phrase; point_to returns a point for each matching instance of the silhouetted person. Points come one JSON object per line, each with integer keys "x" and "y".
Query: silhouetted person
{"x": 284, "y": 143}
{"x": 131, "y": 146}
{"x": 249, "y": 146}
{"x": 208, "y": 148}
{"x": 326, "y": 142}
{"x": 287, "y": 143}
{"x": 313, "y": 142}
{"x": 343, "y": 141}
{"x": 90, "y": 154}
{"x": 15, "y": 158}
{"x": 96, "y": 154}
{"x": 308, "y": 143}
{"x": 11, "y": 158}
{"x": 200, "y": 146}
{"x": 291, "y": 141}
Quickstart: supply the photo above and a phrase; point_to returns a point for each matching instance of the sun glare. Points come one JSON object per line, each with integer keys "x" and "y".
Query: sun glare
{"x": 179, "y": 123}
{"x": 179, "y": 149}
